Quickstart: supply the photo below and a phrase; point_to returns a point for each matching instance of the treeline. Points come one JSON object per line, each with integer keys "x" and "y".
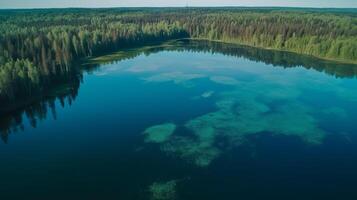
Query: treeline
{"x": 31, "y": 57}
{"x": 325, "y": 35}
{"x": 39, "y": 46}
{"x": 318, "y": 35}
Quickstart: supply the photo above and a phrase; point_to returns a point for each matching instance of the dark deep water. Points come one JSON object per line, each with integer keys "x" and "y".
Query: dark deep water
{"x": 189, "y": 120}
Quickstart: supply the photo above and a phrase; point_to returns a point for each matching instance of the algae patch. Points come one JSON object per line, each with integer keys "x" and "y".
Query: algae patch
{"x": 198, "y": 152}
{"x": 163, "y": 190}
{"x": 243, "y": 111}
{"x": 225, "y": 80}
{"x": 159, "y": 133}
{"x": 176, "y": 77}
{"x": 207, "y": 94}
{"x": 246, "y": 107}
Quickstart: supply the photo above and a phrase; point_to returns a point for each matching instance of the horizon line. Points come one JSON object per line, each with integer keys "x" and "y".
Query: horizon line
{"x": 185, "y": 6}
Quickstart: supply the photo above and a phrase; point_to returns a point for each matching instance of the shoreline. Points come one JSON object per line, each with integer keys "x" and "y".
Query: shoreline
{"x": 112, "y": 56}
{"x": 340, "y": 61}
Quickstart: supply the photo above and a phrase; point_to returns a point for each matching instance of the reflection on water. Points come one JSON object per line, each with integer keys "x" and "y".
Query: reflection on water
{"x": 275, "y": 58}
{"x": 66, "y": 88}
{"x": 190, "y": 120}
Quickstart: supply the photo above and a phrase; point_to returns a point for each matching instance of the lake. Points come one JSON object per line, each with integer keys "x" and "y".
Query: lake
{"x": 188, "y": 120}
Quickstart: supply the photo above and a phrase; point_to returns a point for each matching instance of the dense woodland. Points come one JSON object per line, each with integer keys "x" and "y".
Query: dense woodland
{"x": 41, "y": 47}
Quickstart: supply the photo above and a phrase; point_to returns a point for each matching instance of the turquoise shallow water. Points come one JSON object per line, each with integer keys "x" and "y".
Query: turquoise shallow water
{"x": 191, "y": 120}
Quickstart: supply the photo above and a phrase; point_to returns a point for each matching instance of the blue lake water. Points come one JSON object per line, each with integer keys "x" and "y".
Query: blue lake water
{"x": 190, "y": 120}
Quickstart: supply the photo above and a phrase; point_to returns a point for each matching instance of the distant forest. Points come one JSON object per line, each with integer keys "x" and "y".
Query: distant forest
{"x": 43, "y": 46}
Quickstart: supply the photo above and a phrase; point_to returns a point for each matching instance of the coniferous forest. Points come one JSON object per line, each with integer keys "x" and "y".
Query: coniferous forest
{"x": 41, "y": 47}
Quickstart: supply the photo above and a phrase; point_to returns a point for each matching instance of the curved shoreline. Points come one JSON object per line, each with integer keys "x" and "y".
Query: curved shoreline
{"x": 341, "y": 61}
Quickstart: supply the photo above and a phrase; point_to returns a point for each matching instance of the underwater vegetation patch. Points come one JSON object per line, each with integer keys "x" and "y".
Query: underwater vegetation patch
{"x": 159, "y": 133}
{"x": 207, "y": 94}
{"x": 200, "y": 153}
{"x": 163, "y": 190}
{"x": 224, "y": 80}
{"x": 265, "y": 102}
{"x": 176, "y": 77}
{"x": 242, "y": 111}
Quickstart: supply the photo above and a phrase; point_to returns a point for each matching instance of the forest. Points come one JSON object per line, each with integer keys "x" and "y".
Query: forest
{"x": 41, "y": 47}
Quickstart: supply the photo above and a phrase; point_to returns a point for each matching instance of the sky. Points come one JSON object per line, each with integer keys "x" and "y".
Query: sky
{"x": 164, "y": 3}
